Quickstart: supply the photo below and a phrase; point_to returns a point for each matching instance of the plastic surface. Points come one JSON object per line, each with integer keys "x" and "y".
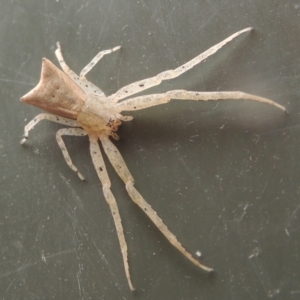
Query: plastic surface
{"x": 223, "y": 176}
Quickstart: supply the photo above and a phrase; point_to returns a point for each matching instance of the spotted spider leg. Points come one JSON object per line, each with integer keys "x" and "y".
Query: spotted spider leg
{"x": 59, "y": 134}
{"x": 49, "y": 117}
{"x": 145, "y": 84}
{"x": 157, "y": 99}
{"x": 86, "y": 85}
{"x": 63, "y": 148}
{"x": 120, "y": 167}
{"x": 110, "y": 199}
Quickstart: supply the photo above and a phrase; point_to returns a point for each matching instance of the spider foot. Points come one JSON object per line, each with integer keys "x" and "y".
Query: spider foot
{"x": 23, "y": 140}
{"x": 80, "y": 176}
{"x": 124, "y": 118}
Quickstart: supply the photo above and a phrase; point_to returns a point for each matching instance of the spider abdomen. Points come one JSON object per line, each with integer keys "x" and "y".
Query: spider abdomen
{"x": 56, "y": 92}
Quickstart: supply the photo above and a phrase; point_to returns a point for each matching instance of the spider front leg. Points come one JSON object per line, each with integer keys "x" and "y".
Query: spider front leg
{"x": 157, "y": 99}
{"x": 145, "y": 84}
{"x": 62, "y": 146}
{"x": 96, "y": 59}
{"x": 86, "y": 85}
{"x": 119, "y": 165}
{"x": 64, "y": 66}
{"x": 49, "y": 117}
{"x": 103, "y": 176}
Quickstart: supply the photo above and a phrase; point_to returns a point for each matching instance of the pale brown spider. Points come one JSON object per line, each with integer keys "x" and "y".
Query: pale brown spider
{"x": 74, "y": 101}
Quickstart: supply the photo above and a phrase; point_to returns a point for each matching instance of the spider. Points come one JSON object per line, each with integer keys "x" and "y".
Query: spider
{"x": 75, "y": 102}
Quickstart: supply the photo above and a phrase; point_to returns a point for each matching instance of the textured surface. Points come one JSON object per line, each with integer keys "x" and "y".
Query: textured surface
{"x": 224, "y": 177}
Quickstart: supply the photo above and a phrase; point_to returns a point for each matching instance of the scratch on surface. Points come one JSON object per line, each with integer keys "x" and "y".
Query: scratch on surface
{"x": 25, "y": 266}
{"x": 17, "y": 81}
{"x": 9, "y": 286}
{"x": 262, "y": 274}
{"x": 40, "y": 221}
{"x": 276, "y": 131}
{"x": 290, "y": 219}
{"x": 287, "y": 232}
{"x": 118, "y": 73}
{"x": 257, "y": 138}
{"x": 18, "y": 72}
{"x": 244, "y": 212}
{"x": 295, "y": 292}
{"x": 38, "y": 231}
{"x": 77, "y": 199}
{"x": 28, "y": 265}
{"x": 80, "y": 8}
{"x": 295, "y": 211}
{"x": 193, "y": 136}
{"x": 111, "y": 271}
{"x": 104, "y": 22}
{"x": 188, "y": 170}
{"x": 58, "y": 254}
{"x": 272, "y": 293}
{"x": 255, "y": 253}
{"x": 78, "y": 279}
{"x": 44, "y": 258}
{"x": 263, "y": 190}
{"x": 215, "y": 106}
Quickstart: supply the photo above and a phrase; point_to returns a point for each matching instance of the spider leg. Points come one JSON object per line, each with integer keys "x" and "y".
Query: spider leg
{"x": 95, "y": 60}
{"x": 62, "y": 146}
{"x": 145, "y": 84}
{"x": 63, "y": 64}
{"x": 103, "y": 176}
{"x": 49, "y": 117}
{"x": 157, "y": 99}
{"x": 124, "y": 118}
{"x": 119, "y": 165}
{"x": 86, "y": 85}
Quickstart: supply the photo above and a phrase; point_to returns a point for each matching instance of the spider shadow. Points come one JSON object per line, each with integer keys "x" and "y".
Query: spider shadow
{"x": 179, "y": 121}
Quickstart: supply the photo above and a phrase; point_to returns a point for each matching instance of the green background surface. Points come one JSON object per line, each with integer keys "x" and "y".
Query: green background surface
{"x": 223, "y": 176}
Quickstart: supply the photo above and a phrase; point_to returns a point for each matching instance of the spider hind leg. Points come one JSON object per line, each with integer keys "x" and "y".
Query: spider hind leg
{"x": 63, "y": 148}
{"x": 157, "y": 99}
{"x": 110, "y": 199}
{"x": 119, "y": 165}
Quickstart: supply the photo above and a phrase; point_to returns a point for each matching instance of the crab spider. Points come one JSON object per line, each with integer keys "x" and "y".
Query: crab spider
{"x": 75, "y": 102}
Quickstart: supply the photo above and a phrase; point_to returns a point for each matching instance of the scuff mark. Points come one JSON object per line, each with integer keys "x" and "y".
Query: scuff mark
{"x": 43, "y": 257}
{"x": 255, "y": 253}
{"x": 78, "y": 278}
{"x": 25, "y": 266}
{"x": 111, "y": 271}
{"x": 58, "y": 254}
{"x": 77, "y": 199}
{"x": 262, "y": 274}
{"x": 244, "y": 212}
